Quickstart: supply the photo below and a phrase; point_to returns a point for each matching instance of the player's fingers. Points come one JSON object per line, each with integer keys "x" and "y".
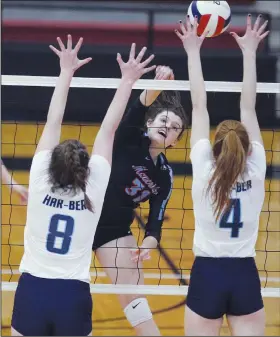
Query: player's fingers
{"x": 262, "y": 28}
{"x": 171, "y": 76}
{"x": 264, "y": 35}
{"x": 148, "y": 257}
{"x": 147, "y": 70}
{"x": 204, "y": 34}
{"x": 141, "y": 54}
{"x": 146, "y": 62}
{"x": 157, "y": 71}
{"x": 158, "y": 68}
{"x": 56, "y": 51}
{"x": 61, "y": 45}
{"x": 120, "y": 60}
{"x": 69, "y": 42}
{"x": 160, "y": 75}
{"x": 182, "y": 27}
{"x": 233, "y": 34}
{"x": 195, "y": 24}
{"x": 132, "y": 51}
{"x": 145, "y": 254}
{"x": 24, "y": 198}
{"x": 135, "y": 251}
{"x": 166, "y": 71}
{"x": 257, "y": 23}
{"x": 85, "y": 61}
{"x": 249, "y": 22}
{"x": 180, "y": 36}
{"x": 78, "y": 45}
{"x": 188, "y": 22}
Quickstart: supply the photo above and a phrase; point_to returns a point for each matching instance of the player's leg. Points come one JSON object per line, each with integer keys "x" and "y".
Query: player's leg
{"x": 206, "y": 299}
{"x": 196, "y": 325}
{"x": 31, "y": 306}
{"x": 14, "y": 332}
{"x": 246, "y": 315}
{"x": 117, "y": 253}
{"x": 248, "y": 325}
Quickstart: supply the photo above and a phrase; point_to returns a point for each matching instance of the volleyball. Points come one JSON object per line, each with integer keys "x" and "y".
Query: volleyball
{"x": 213, "y": 16}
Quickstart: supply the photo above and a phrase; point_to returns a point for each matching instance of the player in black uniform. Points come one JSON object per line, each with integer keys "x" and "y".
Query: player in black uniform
{"x": 140, "y": 172}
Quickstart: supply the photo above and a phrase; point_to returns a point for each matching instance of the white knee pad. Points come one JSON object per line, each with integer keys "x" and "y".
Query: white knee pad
{"x": 138, "y": 311}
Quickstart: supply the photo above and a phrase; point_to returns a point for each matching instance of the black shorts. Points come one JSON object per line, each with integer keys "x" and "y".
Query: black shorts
{"x": 221, "y": 286}
{"x": 105, "y": 234}
{"x": 113, "y": 224}
{"x": 52, "y": 307}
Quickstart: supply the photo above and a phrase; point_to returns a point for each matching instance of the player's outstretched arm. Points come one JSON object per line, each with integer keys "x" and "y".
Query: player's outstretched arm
{"x": 192, "y": 44}
{"x": 148, "y": 97}
{"x": 248, "y": 45}
{"x": 131, "y": 72}
{"x": 69, "y": 63}
{"x": 8, "y": 180}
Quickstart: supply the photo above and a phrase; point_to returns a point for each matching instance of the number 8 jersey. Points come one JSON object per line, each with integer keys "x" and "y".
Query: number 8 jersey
{"x": 235, "y": 233}
{"x": 59, "y": 229}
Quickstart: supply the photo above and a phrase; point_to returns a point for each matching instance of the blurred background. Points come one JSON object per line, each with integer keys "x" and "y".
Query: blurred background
{"x": 108, "y": 27}
{"x": 28, "y": 27}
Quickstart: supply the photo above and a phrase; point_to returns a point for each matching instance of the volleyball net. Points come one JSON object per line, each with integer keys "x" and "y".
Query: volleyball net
{"x": 167, "y": 273}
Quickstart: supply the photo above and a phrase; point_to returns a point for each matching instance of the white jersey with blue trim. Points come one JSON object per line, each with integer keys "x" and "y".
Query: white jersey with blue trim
{"x": 236, "y": 231}
{"x": 59, "y": 229}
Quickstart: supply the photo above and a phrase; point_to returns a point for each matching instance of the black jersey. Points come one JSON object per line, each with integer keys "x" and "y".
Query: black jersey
{"x": 135, "y": 178}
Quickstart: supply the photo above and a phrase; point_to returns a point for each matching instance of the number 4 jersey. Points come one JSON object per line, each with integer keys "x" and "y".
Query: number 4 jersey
{"x": 59, "y": 229}
{"x": 235, "y": 233}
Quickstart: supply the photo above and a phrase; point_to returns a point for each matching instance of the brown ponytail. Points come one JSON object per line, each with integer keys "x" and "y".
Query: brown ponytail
{"x": 69, "y": 168}
{"x": 230, "y": 151}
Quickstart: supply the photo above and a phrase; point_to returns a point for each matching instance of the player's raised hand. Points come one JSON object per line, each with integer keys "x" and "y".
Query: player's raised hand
{"x": 69, "y": 56}
{"x": 188, "y": 35}
{"x": 253, "y": 35}
{"x": 140, "y": 255}
{"x": 134, "y": 68}
{"x": 164, "y": 73}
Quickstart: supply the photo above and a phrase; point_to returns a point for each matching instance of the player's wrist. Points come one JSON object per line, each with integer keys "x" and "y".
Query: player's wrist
{"x": 249, "y": 53}
{"x": 65, "y": 72}
{"x": 127, "y": 81}
{"x": 193, "y": 52}
{"x": 149, "y": 242}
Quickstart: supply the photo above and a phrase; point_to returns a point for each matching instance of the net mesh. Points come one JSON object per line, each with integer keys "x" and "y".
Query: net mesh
{"x": 171, "y": 263}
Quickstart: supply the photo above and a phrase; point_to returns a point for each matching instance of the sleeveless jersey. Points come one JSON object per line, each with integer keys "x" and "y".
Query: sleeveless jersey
{"x": 59, "y": 229}
{"x": 235, "y": 233}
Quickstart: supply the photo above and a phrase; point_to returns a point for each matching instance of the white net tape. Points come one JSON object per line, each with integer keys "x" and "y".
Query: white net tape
{"x": 112, "y": 83}
{"x": 142, "y": 289}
